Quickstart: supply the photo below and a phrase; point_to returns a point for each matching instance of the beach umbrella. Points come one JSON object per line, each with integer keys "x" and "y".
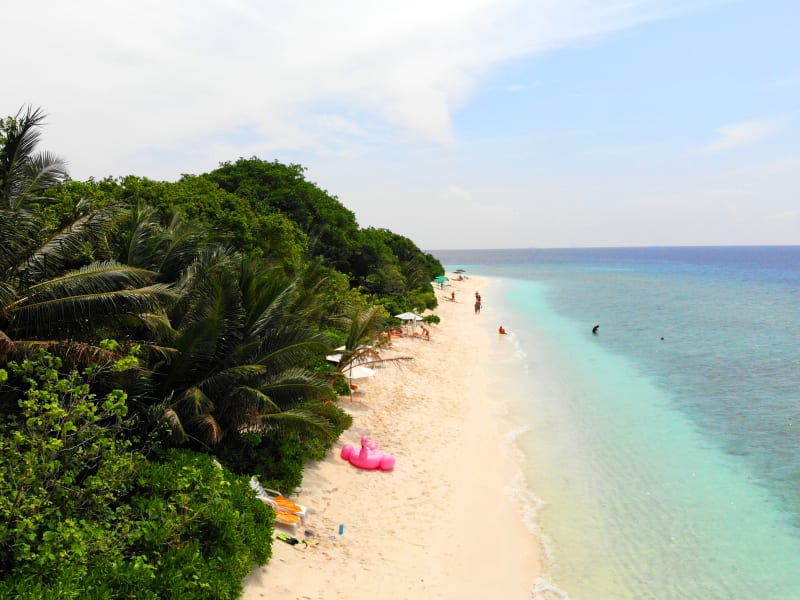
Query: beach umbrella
{"x": 440, "y": 279}
{"x": 335, "y": 358}
{"x": 356, "y": 372}
{"x": 363, "y": 354}
{"x": 359, "y": 372}
{"x": 460, "y": 271}
{"x": 408, "y": 316}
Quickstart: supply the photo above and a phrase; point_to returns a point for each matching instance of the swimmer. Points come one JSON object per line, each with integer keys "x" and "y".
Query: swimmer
{"x": 595, "y": 328}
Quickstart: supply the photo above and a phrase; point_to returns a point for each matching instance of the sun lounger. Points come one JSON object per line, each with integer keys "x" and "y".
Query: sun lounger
{"x": 278, "y": 500}
{"x": 284, "y": 518}
{"x": 286, "y": 504}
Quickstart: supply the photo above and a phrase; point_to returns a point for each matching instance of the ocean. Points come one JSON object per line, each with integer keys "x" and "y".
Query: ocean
{"x": 664, "y": 450}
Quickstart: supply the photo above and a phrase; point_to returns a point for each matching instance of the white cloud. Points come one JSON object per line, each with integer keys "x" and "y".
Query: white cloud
{"x": 738, "y": 135}
{"x": 122, "y": 79}
{"x": 457, "y": 195}
{"x": 789, "y": 216}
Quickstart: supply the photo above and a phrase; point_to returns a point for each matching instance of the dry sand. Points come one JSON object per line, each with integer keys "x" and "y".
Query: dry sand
{"x": 443, "y": 524}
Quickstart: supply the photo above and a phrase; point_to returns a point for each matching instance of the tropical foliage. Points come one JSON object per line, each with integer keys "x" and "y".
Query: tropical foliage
{"x": 155, "y": 339}
{"x": 85, "y": 514}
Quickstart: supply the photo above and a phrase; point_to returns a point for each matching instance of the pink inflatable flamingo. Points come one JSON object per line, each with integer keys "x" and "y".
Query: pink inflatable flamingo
{"x": 369, "y": 457}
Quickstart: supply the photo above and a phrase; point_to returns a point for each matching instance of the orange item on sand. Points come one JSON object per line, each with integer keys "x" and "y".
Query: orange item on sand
{"x": 286, "y": 517}
{"x": 284, "y": 502}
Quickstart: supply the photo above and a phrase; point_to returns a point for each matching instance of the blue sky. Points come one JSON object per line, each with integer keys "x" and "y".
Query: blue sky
{"x": 471, "y": 124}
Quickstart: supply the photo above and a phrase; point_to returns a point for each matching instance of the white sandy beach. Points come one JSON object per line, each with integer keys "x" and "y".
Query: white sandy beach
{"x": 443, "y": 524}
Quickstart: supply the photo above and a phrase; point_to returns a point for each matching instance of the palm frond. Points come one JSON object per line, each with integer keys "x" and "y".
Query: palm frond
{"x": 206, "y": 428}
{"x": 169, "y": 417}
{"x": 193, "y": 402}
{"x": 45, "y": 170}
{"x": 97, "y": 277}
{"x": 297, "y": 420}
{"x": 233, "y": 376}
{"x": 270, "y": 309}
{"x": 297, "y": 385}
{"x": 184, "y": 241}
{"x": 62, "y": 247}
{"x": 282, "y": 353}
{"x": 167, "y": 249}
{"x": 85, "y": 312}
{"x": 143, "y": 229}
{"x": 154, "y": 352}
{"x": 18, "y": 236}
{"x": 7, "y": 345}
{"x": 71, "y": 351}
{"x": 153, "y": 325}
{"x": 7, "y": 295}
{"x": 254, "y": 397}
{"x": 22, "y": 173}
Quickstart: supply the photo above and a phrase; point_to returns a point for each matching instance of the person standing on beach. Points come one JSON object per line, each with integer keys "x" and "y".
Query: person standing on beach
{"x": 477, "y": 306}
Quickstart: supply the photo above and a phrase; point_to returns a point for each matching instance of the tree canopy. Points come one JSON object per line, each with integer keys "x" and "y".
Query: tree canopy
{"x": 142, "y": 321}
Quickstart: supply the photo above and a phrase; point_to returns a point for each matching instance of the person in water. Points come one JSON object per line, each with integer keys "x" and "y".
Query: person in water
{"x": 501, "y": 331}
{"x": 595, "y": 328}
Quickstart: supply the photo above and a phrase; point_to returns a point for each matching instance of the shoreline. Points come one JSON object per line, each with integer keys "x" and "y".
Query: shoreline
{"x": 445, "y": 523}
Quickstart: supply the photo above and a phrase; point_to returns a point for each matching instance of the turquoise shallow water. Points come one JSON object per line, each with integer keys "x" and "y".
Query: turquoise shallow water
{"x": 666, "y": 468}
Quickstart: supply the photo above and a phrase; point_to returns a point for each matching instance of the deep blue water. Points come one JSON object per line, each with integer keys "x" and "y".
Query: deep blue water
{"x": 666, "y": 448}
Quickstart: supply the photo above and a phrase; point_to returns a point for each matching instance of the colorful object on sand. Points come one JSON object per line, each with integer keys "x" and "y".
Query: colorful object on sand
{"x": 369, "y": 457}
{"x": 286, "y": 504}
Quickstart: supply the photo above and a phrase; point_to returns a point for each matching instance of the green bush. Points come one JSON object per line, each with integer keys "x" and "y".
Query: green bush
{"x": 278, "y": 458}
{"x": 82, "y": 515}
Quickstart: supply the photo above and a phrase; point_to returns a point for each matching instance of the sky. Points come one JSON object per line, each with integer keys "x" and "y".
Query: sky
{"x": 459, "y": 124}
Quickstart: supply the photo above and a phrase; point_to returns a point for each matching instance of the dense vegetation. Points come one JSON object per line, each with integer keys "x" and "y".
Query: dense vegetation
{"x": 160, "y": 342}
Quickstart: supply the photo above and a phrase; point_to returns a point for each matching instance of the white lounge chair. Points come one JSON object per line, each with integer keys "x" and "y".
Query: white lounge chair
{"x": 278, "y": 500}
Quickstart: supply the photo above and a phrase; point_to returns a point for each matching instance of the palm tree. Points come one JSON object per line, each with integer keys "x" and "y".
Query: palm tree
{"x": 362, "y": 341}
{"x": 243, "y": 344}
{"x": 54, "y": 288}
{"x": 53, "y": 294}
{"x": 167, "y": 246}
{"x": 24, "y": 174}
{"x": 362, "y": 327}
